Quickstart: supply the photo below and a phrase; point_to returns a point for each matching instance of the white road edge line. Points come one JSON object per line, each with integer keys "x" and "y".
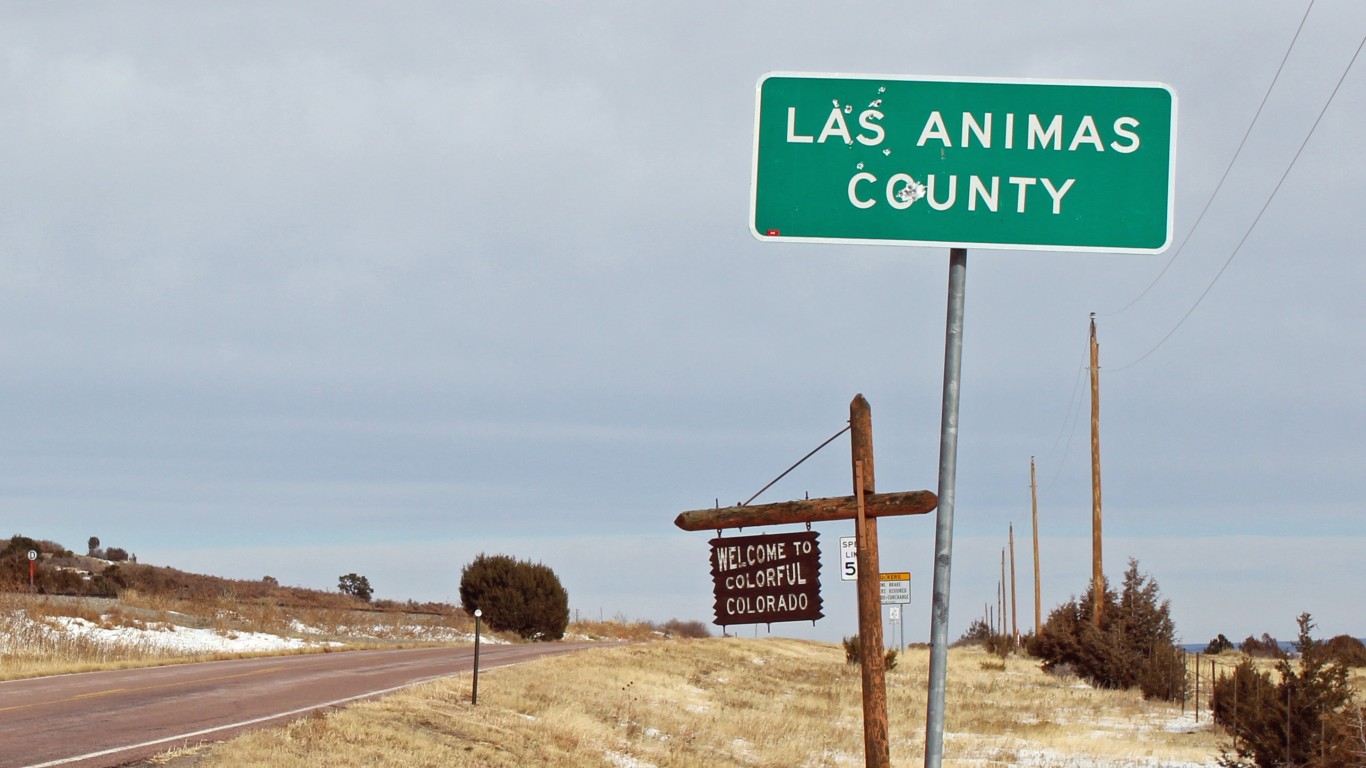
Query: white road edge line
{"x": 253, "y": 721}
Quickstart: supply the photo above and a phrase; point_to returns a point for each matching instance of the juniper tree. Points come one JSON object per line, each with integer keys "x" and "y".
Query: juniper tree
{"x": 1134, "y": 646}
{"x": 516, "y": 596}
{"x": 1303, "y": 717}
{"x": 356, "y": 586}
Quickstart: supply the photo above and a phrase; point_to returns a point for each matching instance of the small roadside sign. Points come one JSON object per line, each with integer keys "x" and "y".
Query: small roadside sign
{"x": 896, "y": 588}
{"x": 32, "y": 555}
{"x": 894, "y": 613}
{"x": 848, "y": 558}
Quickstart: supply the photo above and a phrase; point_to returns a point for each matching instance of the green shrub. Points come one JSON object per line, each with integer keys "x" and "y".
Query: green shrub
{"x": 1134, "y": 647}
{"x": 685, "y": 629}
{"x": 355, "y": 585}
{"x": 979, "y": 632}
{"x": 853, "y": 653}
{"x": 1347, "y": 651}
{"x": 1218, "y": 645}
{"x": 1267, "y": 647}
{"x": 516, "y": 596}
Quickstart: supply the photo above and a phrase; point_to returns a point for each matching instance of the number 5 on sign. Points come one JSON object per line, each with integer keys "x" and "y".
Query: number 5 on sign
{"x": 848, "y": 559}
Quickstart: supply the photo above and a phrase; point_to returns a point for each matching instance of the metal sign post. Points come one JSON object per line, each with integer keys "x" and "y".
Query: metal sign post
{"x": 474, "y": 692}
{"x": 943, "y": 532}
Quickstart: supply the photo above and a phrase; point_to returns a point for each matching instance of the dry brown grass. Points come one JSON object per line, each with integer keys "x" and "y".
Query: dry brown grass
{"x": 619, "y": 629}
{"x": 724, "y": 702}
{"x": 33, "y": 643}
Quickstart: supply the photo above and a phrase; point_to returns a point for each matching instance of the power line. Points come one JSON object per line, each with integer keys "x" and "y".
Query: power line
{"x": 1222, "y": 179}
{"x": 1069, "y": 428}
{"x": 1258, "y": 218}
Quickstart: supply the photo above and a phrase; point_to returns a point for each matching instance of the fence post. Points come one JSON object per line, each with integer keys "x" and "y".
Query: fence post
{"x": 1197, "y": 687}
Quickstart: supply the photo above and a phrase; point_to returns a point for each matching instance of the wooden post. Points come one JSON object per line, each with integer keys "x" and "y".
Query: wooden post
{"x": 1097, "y": 572}
{"x": 1034, "y": 508}
{"x": 876, "y": 746}
{"x": 864, "y": 507}
{"x": 1014, "y": 607}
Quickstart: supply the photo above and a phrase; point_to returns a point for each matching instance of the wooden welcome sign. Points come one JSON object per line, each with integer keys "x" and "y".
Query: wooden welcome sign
{"x": 768, "y": 578}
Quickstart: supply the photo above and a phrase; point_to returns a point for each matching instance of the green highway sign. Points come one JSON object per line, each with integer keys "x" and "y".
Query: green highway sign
{"x": 1014, "y": 164}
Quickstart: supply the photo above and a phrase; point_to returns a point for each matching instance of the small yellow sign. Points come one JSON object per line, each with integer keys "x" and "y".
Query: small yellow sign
{"x": 894, "y": 576}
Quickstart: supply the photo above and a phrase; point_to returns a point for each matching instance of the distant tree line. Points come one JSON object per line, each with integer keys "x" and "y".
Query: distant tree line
{"x": 1343, "y": 649}
{"x": 112, "y": 554}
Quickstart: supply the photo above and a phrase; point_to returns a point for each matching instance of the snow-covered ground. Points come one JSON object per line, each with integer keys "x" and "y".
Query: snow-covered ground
{"x": 173, "y": 639}
{"x": 390, "y": 631}
{"x": 178, "y": 636}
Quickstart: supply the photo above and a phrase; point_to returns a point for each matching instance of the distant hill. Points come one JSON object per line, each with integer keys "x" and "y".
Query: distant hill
{"x": 59, "y": 571}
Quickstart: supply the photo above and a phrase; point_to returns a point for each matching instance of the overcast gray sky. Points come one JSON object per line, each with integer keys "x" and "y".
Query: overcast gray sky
{"x": 309, "y": 288}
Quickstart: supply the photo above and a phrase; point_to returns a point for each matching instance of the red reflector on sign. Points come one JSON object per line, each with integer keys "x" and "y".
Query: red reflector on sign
{"x": 772, "y": 233}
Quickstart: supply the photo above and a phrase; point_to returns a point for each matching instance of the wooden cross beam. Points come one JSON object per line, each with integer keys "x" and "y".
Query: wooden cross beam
{"x": 808, "y": 511}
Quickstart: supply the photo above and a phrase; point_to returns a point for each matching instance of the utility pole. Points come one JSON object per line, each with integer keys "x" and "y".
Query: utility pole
{"x": 1097, "y": 573}
{"x": 1034, "y": 505}
{"x": 876, "y": 744}
{"x": 1002, "y": 591}
{"x": 1014, "y": 606}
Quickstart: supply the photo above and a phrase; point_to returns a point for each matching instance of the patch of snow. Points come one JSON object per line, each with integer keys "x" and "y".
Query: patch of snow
{"x": 1027, "y": 757}
{"x": 625, "y": 761}
{"x": 298, "y": 627}
{"x": 187, "y": 640}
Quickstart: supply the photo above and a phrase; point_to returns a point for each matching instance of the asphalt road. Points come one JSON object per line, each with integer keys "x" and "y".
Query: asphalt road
{"x": 114, "y": 718}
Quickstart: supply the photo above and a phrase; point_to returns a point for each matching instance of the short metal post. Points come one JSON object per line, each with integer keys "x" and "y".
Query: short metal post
{"x": 474, "y": 694}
